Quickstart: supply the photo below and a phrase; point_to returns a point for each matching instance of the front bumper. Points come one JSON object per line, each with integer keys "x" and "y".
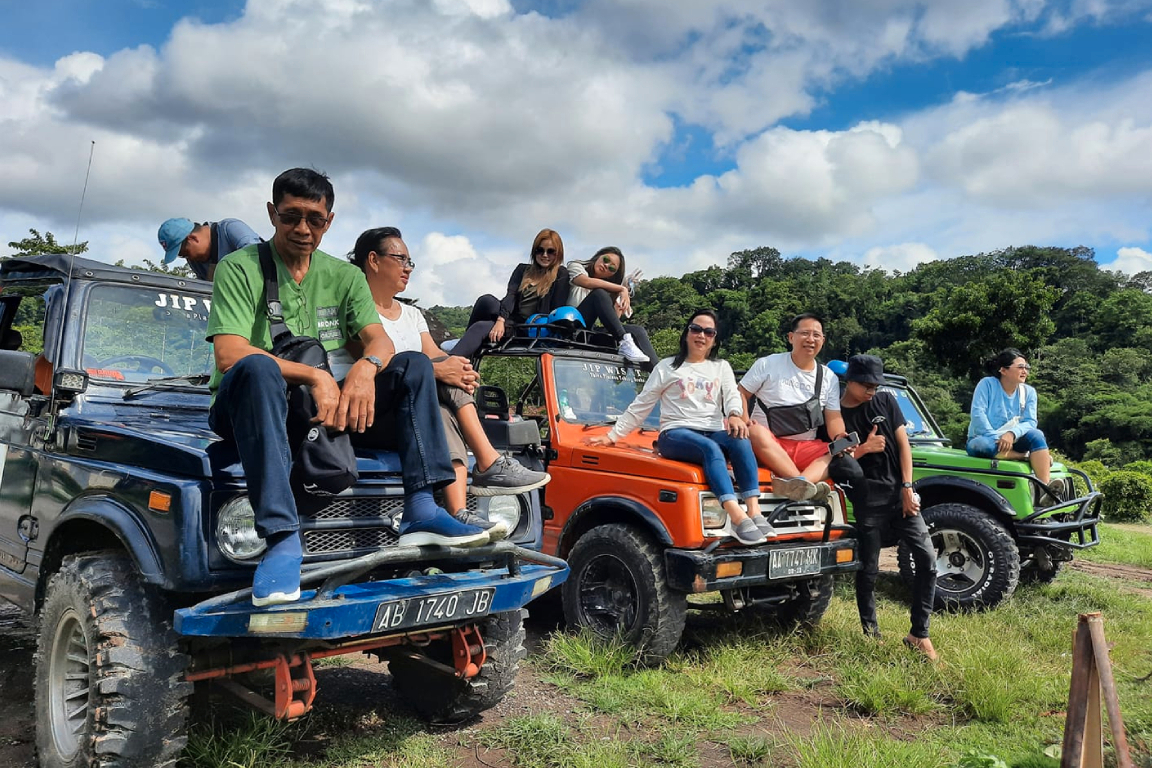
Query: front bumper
{"x": 338, "y": 610}
{"x": 1067, "y": 525}
{"x": 693, "y": 570}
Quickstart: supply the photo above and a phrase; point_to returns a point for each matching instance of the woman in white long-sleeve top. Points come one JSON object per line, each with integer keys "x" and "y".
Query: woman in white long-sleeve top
{"x": 696, "y": 391}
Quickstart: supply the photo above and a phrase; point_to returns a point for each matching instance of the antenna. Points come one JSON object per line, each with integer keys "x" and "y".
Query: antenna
{"x": 68, "y": 278}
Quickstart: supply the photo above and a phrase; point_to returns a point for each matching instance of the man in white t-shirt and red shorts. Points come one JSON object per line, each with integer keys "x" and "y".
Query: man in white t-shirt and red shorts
{"x": 780, "y": 390}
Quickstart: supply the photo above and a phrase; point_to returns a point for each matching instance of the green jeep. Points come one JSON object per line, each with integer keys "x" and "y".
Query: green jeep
{"x": 993, "y": 524}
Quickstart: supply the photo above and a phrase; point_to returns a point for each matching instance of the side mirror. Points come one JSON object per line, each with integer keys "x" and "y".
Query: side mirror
{"x": 18, "y": 371}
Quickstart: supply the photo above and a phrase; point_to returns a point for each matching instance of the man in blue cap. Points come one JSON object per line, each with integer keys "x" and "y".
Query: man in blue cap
{"x": 203, "y": 245}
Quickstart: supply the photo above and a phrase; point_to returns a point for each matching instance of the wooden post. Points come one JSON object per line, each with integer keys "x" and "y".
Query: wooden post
{"x": 1091, "y": 675}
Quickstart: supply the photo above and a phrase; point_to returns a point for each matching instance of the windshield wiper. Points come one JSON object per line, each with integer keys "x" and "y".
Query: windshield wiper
{"x": 170, "y": 382}
{"x": 610, "y": 421}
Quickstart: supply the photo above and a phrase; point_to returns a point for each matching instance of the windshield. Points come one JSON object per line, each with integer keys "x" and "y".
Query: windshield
{"x": 598, "y": 393}
{"x": 915, "y": 423}
{"x": 137, "y": 334}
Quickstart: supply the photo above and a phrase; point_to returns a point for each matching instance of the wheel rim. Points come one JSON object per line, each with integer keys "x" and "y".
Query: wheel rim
{"x": 68, "y": 676}
{"x": 609, "y": 596}
{"x": 960, "y": 561}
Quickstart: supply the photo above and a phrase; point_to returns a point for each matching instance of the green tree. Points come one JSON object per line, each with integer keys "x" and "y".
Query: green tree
{"x": 37, "y": 244}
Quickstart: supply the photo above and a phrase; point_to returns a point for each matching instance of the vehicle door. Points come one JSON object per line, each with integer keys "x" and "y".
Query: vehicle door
{"x": 19, "y": 428}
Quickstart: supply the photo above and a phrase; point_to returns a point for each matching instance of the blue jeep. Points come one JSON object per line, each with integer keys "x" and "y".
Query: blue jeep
{"x": 125, "y": 525}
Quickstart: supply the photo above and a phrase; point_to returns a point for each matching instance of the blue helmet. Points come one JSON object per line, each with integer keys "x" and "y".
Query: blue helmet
{"x": 569, "y": 316}
{"x": 537, "y": 333}
{"x": 838, "y": 367}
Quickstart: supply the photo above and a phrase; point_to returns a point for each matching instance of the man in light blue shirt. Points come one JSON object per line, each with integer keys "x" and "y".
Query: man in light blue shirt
{"x": 203, "y": 245}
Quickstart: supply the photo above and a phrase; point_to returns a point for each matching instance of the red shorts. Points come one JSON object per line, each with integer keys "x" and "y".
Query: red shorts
{"x": 803, "y": 452}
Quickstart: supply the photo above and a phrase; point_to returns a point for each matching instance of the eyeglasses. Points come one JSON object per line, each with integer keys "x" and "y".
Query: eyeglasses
{"x": 709, "y": 332}
{"x": 539, "y": 251}
{"x": 315, "y": 221}
{"x": 809, "y": 334}
{"x": 1022, "y": 366}
{"x": 405, "y": 261}
{"x": 609, "y": 265}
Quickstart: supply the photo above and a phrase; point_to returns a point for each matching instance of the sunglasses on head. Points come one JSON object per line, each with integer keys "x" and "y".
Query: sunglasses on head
{"x": 609, "y": 265}
{"x": 540, "y": 251}
{"x": 709, "y": 332}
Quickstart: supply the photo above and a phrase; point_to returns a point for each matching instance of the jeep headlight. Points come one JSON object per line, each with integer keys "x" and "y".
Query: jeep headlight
{"x": 236, "y": 531}
{"x": 712, "y": 514}
{"x": 506, "y": 508}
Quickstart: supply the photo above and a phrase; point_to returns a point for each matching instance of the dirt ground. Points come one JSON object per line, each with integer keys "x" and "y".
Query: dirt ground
{"x": 360, "y": 691}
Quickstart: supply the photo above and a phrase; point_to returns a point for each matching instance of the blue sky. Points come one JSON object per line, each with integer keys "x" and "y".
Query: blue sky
{"x": 885, "y": 132}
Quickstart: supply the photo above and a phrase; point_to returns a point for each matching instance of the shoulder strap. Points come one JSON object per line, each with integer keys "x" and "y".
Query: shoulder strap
{"x": 276, "y": 325}
{"x": 819, "y": 379}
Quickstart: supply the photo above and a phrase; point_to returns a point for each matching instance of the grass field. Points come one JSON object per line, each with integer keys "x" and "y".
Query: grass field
{"x": 741, "y": 693}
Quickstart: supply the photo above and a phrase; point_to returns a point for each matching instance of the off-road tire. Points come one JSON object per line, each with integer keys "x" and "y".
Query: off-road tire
{"x": 440, "y": 698}
{"x": 109, "y": 672}
{"x": 966, "y": 537}
{"x": 621, "y": 564}
{"x": 805, "y": 610}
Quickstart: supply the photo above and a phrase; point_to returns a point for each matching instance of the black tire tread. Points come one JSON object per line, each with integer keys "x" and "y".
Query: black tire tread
{"x": 138, "y": 701}
{"x": 442, "y": 699}
{"x": 997, "y": 539}
{"x": 665, "y": 610}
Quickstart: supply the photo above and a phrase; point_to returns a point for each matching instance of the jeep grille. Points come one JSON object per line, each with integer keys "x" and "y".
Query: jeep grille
{"x": 355, "y": 525}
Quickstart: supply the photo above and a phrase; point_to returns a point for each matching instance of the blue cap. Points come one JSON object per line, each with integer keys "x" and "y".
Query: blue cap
{"x": 171, "y": 236}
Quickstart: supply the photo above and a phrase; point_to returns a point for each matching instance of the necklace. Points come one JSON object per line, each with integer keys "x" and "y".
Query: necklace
{"x": 389, "y": 310}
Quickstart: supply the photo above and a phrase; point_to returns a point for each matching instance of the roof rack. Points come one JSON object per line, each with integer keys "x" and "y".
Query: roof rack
{"x": 560, "y": 337}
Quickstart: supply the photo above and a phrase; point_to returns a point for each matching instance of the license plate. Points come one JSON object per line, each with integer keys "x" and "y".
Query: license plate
{"x": 434, "y": 609}
{"x": 784, "y": 563}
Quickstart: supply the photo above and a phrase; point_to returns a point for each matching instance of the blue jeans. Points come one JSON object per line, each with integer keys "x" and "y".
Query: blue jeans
{"x": 984, "y": 446}
{"x": 709, "y": 449}
{"x": 251, "y": 409}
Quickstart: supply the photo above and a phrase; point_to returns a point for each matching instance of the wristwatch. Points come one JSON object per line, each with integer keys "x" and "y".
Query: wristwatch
{"x": 905, "y": 485}
{"x": 375, "y": 361}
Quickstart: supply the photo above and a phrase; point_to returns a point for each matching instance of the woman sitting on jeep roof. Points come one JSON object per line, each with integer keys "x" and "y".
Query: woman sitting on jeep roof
{"x": 599, "y": 292}
{"x": 695, "y": 391}
{"x": 1003, "y": 422}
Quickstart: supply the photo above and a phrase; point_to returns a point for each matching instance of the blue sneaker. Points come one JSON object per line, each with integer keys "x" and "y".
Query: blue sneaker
{"x": 277, "y": 578}
{"x": 441, "y": 530}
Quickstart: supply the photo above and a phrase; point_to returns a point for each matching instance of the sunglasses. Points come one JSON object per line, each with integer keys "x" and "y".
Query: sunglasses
{"x": 541, "y": 251}
{"x": 709, "y": 332}
{"x": 1022, "y": 366}
{"x": 609, "y": 265}
{"x": 291, "y": 219}
{"x": 405, "y": 261}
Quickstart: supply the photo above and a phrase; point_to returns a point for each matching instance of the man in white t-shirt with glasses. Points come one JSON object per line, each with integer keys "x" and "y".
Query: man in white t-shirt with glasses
{"x": 788, "y": 396}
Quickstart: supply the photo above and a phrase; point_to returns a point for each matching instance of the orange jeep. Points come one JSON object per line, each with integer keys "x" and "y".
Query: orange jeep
{"x": 641, "y": 532}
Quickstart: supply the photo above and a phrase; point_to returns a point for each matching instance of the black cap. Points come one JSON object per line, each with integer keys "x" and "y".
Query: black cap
{"x": 865, "y": 369}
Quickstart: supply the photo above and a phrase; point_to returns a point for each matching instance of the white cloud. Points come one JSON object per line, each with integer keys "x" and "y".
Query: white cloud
{"x": 901, "y": 257}
{"x": 463, "y": 116}
{"x": 1131, "y": 261}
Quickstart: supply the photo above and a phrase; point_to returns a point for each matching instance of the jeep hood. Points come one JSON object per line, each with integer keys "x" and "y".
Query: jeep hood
{"x": 176, "y": 442}
{"x": 635, "y": 456}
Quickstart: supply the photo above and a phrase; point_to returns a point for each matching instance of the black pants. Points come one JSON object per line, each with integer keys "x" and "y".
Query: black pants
{"x": 480, "y": 322}
{"x": 885, "y": 525}
{"x": 599, "y": 305}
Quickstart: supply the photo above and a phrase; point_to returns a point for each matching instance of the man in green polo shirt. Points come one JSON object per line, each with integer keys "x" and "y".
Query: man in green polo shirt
{"x": 387, "y": 400}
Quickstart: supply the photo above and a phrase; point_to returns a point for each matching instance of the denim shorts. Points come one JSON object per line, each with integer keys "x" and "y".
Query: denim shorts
{"x": 984, "y": 446}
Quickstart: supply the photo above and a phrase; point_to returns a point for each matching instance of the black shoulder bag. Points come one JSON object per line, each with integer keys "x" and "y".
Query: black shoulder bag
{"x": 786, "y": 420}
{"x": 323, "y": 463}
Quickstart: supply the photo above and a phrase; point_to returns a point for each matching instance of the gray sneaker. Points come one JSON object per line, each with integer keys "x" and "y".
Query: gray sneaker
{"x": 506, "y": 477}
{"x": 764, "y": 526}
{"x": 794, "y": 488}
{"x": 496, "y": 530}
{"x": 822, "y": 492}
{"x": 748, "y": 533}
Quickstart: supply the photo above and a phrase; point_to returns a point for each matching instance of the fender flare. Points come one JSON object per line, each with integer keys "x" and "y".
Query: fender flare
{"x": 125, "y": 524}
{"x": 998, "y": 503}
{"x": 651, "y": 521}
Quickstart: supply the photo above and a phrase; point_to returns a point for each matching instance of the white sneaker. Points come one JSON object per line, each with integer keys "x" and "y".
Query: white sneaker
{"x": 630, "y": 351}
